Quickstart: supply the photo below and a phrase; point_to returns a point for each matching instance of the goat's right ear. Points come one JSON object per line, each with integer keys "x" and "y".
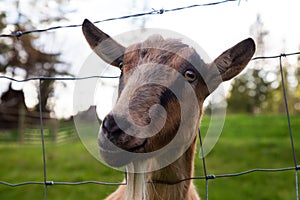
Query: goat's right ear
{"x": 102, "y": 44}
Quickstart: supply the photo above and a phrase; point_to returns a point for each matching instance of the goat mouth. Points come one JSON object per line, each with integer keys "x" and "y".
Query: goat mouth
{"x": 117, "y": 156}
{"x": 114, "y": 148}
{"x": 138, "y": 148}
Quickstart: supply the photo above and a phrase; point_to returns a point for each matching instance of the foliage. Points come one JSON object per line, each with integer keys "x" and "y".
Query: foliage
{"x": 253, "y": 93}
{"x": 24, "y": 56}
{"x": 259, "y": 89}
{"x": 249, "y": 93}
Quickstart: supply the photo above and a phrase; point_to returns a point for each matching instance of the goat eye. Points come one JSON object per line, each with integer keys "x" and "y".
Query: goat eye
{"x": 190, "y": 75}
{"x": 143, "y": 53}
{"x": 120, "y": 65}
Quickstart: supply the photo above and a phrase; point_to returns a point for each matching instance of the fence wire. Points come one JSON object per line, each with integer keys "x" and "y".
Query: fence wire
{"x": 207, "y": 177}
{"x": 161, "y": 11}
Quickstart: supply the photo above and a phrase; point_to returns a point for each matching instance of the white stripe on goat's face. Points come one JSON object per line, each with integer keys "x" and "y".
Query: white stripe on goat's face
{"x": 160, "y": 79}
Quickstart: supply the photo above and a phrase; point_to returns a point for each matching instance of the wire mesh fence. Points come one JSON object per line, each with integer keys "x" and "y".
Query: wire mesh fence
{"x": 41, "y": 120}
{"x": 207, "y": 177}
{"x": 161, "y": 11}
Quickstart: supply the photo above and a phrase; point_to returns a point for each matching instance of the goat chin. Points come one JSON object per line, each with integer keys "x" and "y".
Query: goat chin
{"x": 136, "y": 182}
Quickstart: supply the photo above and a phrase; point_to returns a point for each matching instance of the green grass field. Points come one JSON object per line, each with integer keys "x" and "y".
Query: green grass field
{"x": 246, "y": 142}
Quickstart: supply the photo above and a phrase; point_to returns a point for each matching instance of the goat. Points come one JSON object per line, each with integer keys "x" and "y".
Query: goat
{"x": 158, "y": 73}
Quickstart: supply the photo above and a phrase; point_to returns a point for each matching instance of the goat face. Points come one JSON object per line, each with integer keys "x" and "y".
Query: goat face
{"x": 162, "y": 87}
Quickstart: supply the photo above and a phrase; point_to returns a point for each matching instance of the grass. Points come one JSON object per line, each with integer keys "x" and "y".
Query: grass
{"x": 246, "y": 142}
{"x": 249, "y": 142}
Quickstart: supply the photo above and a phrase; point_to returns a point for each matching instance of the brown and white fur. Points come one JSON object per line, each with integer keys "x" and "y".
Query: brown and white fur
{"x": 141, "y": 185}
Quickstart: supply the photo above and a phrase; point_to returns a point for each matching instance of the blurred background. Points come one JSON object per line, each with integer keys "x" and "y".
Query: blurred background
{"x": 255, "y": 133}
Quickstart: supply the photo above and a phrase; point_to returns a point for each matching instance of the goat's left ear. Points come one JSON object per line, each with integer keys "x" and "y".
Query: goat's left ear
{"x": 232, "y": 61}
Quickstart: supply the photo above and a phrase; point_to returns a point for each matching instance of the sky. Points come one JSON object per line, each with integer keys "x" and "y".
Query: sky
{"x": 214, "y": 28}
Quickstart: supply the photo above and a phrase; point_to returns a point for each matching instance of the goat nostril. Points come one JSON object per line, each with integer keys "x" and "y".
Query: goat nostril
{"x": 111, "y": 130}
{"x": 110, "y": 125}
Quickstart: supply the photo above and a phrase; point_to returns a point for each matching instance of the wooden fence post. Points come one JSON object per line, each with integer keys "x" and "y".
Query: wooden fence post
{"x": 54, "y": 129}
{"x": 21, "y": 124}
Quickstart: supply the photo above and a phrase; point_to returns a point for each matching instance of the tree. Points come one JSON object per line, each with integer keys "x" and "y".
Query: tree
{"x": 260, "y": 89}
{"x": 251, "y": 91}
{"x": 297, "y": 90}
{"x": 23, "y": 56}
{"x": 291, "y": 76}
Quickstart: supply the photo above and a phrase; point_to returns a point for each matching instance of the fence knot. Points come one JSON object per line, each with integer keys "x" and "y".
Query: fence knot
{"x": 298, "y": 167}
{"x": 211, "y": 176}
{"x": 17, "y": 34}
{"x": 49, "y": 182}
{"x": 282, "y": 55}
{"x": 160, "y": 11}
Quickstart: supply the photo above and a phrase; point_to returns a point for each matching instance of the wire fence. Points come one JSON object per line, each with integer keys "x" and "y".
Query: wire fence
{"x": 20, "y": 125}
{"x": 207, "y": 177}
{"x": 161, "y": 11}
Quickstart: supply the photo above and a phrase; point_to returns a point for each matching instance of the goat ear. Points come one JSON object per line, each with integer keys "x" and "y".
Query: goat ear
{"x": 102, "y": 44}
{"x": 231, "y": 62}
